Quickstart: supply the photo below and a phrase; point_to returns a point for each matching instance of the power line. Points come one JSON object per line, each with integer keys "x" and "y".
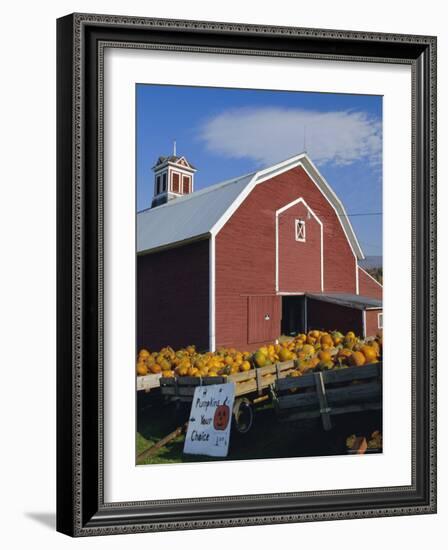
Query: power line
{"x": 361, "y": 214}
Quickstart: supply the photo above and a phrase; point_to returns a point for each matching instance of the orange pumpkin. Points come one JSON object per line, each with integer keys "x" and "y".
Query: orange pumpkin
{"x": 221, "y": 417}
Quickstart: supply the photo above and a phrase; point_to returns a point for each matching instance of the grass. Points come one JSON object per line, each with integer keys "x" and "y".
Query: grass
{"x": 268, "y": 437}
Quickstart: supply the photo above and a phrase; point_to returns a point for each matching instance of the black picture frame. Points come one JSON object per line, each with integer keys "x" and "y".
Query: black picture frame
{"x": 81, "y": 510}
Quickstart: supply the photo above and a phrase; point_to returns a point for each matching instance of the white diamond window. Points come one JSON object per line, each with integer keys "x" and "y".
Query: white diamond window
{"x": 300, "y": 230}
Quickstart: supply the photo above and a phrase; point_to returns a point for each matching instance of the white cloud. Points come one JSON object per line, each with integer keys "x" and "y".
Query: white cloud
{"x": 268, "y": 135}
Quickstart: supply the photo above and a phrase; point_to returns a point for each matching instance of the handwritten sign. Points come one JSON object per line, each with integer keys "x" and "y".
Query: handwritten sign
{"x": 208, "y": 430}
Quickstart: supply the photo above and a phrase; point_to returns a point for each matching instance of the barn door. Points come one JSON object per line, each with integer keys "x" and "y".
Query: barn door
{"x": 264, "y": 318}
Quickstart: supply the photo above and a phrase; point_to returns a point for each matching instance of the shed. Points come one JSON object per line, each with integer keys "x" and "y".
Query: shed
{"x": 362, "y": 314}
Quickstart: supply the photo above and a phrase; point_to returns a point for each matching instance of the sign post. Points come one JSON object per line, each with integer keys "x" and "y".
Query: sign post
{"x": 210, "y": 419}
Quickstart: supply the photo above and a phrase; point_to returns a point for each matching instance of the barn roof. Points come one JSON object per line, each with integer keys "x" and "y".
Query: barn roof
{"x": 349, "y": 300}
{"x": 187, "y": 217}
{"x": 204, "y": 212}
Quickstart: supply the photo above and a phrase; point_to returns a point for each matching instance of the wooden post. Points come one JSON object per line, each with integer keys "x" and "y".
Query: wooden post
{"x": 259, "y": 382}
{"x": 323, "y": 403}
{"x": 305, "y": 312}
{"x": 260, "y": 399}
{"x": 277, "y": 370}
{"x": 152, "y": 450}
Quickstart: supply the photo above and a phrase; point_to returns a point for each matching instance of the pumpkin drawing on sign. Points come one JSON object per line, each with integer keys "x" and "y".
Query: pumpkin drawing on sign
{"x": 222, "y": 416}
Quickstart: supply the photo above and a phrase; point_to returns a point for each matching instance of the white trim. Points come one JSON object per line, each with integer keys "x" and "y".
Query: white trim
{"x": 216, "y": 228}
{"x": 380, "y": 326}
{"x": 172, "y": 173}
{"x": 277, "y": 169}
{"x": 160, "y": 174}
{"x": 364, "y": 323}
{"x": 368, "y": 275}
{"x": 277, "y": 214}
{"x": 357, "y": 276}
{"x": 188, "y": 176}
{"x": 182, "y": 158}
{"x": 212, "y": 304}
{"x": 188, "y": 167}
{"x": 290, "y": 294}
{"x": 189, "y": 171}
{"x": 174, "y": 168}
{"x": 305, "y": 162}
{"x": 338, "y": 216}
{"x": 169, "y": 163}
{"x": 335, "y": 203}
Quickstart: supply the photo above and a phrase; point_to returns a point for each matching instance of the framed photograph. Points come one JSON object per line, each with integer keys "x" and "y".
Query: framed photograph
{"x": 246, "y": 274}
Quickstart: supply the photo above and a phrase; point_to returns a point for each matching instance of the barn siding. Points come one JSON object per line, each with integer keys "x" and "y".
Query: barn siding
{"x": 368, "y": 287}
{"x": 173, "y": 297}
{"x": 327, "y": 316}
{"x": 299, "y": 266}
{"x": 372, "y": 322}
{"x": 245, "y": 252}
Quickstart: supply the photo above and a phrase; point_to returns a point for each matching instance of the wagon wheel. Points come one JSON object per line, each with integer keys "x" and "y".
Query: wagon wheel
{"x": 243, "y": 415}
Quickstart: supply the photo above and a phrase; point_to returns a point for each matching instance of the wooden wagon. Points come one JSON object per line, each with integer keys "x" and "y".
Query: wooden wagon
{"x": 313, "y": 395}
{"x": 148, "y": 382}
{"x": 328, "y": 393}
{"x": 252, "y": 388}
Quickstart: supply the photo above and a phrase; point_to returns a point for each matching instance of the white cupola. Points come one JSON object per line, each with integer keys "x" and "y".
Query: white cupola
{"x": 173, "y": 178}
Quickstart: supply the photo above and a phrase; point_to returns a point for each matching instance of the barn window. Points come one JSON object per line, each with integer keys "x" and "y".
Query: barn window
{"x": 158, "y": 186}
{"x": 185, "y": 185}
{"x": 300, "y": 230}
{"x": 380, "y": 320}
{"x": 164, "y": 182}
{"x": 176, "y": 183}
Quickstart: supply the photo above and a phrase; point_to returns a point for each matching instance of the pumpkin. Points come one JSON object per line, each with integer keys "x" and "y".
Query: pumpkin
{"x": 222, "y": 416}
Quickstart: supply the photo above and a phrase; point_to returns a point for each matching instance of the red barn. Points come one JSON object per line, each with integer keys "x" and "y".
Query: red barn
{"x": 244, "y": 261}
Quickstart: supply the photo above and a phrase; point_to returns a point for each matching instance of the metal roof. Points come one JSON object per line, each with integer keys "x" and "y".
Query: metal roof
{"x": 187, "y": 217}
{"x": 206, "y": 211}
{"x": 349, "y": 300}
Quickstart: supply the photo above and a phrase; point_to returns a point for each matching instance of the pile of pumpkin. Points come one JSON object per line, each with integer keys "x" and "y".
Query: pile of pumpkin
{"x": 316, "y": 350}
{"x": 375, "y": 441}
{"x": 188, "y": 362}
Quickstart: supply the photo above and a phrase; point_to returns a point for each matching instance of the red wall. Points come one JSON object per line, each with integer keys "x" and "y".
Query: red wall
{"x": 369, "y": 287}
{"x": 299, "y": 262}
{"x": 245, "y": 252}
{"x": 173, "y": 297}
{"x": 326, "y": 316}
{"x": 372, "y": 322}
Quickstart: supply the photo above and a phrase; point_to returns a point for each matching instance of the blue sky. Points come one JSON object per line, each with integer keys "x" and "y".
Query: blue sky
{"x": 228, "y": 132}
